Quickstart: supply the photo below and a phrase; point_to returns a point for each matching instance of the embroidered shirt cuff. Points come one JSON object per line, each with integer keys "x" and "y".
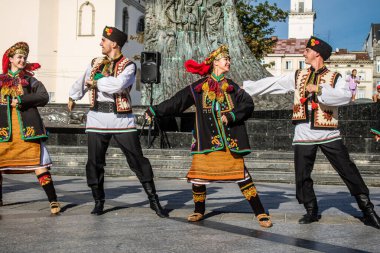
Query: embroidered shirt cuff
{"x": 374, "y": 131}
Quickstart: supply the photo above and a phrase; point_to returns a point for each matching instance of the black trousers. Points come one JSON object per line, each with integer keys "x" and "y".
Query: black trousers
{"x": 337, "y": 154}
{"x": 129, "y": 143}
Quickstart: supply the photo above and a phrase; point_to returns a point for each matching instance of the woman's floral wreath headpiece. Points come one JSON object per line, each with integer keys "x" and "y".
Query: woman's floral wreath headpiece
{"x": 204, "y": 67}
{"x": 19, "y": 48}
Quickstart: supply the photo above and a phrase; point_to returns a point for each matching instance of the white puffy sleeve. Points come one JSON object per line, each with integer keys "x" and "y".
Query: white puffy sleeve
{"x": 339, "y": 95}
{"x": 270, "y": 85}
{"x": 79, "y": 88}
{"x": 117, "y": 84}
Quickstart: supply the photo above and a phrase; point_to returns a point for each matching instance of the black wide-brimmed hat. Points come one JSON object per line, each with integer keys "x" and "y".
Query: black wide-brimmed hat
{"x": 115, "y": 35}
{"x": 320, "y": 46}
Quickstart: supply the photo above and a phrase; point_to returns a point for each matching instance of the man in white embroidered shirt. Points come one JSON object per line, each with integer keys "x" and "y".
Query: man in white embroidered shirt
{"x": 317, "y": 94}
{"x": 108, "y": 81}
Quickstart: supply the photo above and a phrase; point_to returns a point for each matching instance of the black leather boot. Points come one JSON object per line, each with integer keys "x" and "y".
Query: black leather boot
{"x": 311, "y": 213}
{"x": 370, "y": 218}
{"x": 98, "y": 194}
{"x": 150, "y": 190}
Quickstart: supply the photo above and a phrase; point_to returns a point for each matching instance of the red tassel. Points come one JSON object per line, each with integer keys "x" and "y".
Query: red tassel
{"x": 314, "y": 105}
{"x": 303, "y": 100}
{"x": 196, "y": 68}
{"x": 32, "y": 66}
{"x": 5, "y": 62}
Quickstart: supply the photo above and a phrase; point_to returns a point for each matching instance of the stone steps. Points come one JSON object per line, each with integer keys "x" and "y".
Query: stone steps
{"x": 265, "y": 166}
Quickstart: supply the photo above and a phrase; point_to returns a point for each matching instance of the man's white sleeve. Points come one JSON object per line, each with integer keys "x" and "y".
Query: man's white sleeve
{"x": 117, "y": 84}
{"x": 79, "y": 88}
{"x": 340, "y": 95}
{"x": 270, "y": 85}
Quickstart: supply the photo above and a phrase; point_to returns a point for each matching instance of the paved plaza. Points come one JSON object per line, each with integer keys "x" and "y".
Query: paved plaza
{"x": 130, "y": 226}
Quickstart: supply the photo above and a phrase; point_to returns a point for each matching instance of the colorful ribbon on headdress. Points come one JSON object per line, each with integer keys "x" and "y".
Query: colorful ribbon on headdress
{"x": 204, "y": 67}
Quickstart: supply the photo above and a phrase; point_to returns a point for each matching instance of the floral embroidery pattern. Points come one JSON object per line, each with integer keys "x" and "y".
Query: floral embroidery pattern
{"x": 44, "y": 180}
{"x": 232, "y": 143}
{"x": 296, "y": 108}
{"x": 4, "y": 133}
{"x": 11, "y": 86}
{"x": 328, "y": 115}
{"x": 216, "y": 141}
{"x": 199, "y": 197}
{"x": 29, "y": 132}
{"x": 250, "y": 192}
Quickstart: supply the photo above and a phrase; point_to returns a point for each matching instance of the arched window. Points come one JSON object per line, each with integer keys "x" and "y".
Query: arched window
{"x": 86, "y": 25}
{"x": 140, "y": 25}
{"x": 125, "y": 20}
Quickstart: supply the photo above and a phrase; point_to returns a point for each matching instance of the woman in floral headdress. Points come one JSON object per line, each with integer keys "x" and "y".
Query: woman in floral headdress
{"x": 21, "y": 127}
{"x": 220, "y": 138}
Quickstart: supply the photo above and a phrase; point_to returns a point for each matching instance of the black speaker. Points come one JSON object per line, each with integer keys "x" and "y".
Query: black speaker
{"x": 150, "y": 67}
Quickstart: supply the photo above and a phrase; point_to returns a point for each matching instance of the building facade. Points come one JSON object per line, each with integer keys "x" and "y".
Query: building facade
{"x": 372, "y": 47}
{"x": 64, "y": 36}
{"x": 287, "y": 54}
{"x": 301, "y": 19}
{"x": 344, "y": 62}
{"x": 287, "y": 57}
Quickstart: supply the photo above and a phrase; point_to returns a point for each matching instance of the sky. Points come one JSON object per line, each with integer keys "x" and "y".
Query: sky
{"x": 342, "y": 23}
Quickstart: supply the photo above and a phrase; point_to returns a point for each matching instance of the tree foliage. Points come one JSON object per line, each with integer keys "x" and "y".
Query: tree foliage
{"x": 255, "y": 20}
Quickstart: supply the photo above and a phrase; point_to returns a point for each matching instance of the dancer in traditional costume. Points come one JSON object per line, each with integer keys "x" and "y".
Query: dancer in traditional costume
{"x": 317, "y": 94}
{"x": 108, "y": 81}
{"x": 220, "y": 139}
{"x": 22, "y": 131}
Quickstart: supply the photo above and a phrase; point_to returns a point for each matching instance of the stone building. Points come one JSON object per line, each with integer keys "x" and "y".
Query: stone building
{"x": 372, "y": 46}
{"x": 301, "y": 19}
{"x": 344, "y": 62}
{"x": 64, "y": 35}
{"x": 287, "y": 55}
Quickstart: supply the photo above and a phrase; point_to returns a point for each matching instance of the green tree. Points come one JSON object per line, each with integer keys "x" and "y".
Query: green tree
{"x": 255, "y": 19}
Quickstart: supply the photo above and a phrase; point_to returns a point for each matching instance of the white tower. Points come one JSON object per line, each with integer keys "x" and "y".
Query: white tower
{"x": 301, "y": 19}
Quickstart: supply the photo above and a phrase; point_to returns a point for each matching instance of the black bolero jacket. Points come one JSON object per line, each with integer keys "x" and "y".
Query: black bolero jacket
{"x": 31, "y": 125}
{"x": 208, "y": 135}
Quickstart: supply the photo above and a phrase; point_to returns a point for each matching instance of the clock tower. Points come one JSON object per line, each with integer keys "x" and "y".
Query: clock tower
{"x": 301, "y": 19}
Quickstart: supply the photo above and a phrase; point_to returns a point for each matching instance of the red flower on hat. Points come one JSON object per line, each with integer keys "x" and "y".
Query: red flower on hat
{"x": 109, "y": 31}
{"x": 314, "y": 42}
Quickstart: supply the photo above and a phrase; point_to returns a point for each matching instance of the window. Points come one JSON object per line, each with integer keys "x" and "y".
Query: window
{"x": 140, "y": 25}
{"x": 301, "y": 64}
{"x": 86, "y": 25}
{"x": 361, "y": 76}
{"x": 301, "y": 7}
{"x": 125, "y": 20}
{"x": 288, "y": 65}
{"x": 378, "y": 66}
{"x": 361, "y": 93}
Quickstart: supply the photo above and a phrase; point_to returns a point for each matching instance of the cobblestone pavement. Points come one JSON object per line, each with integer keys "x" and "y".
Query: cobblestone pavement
{"x": 130, "y": 226}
